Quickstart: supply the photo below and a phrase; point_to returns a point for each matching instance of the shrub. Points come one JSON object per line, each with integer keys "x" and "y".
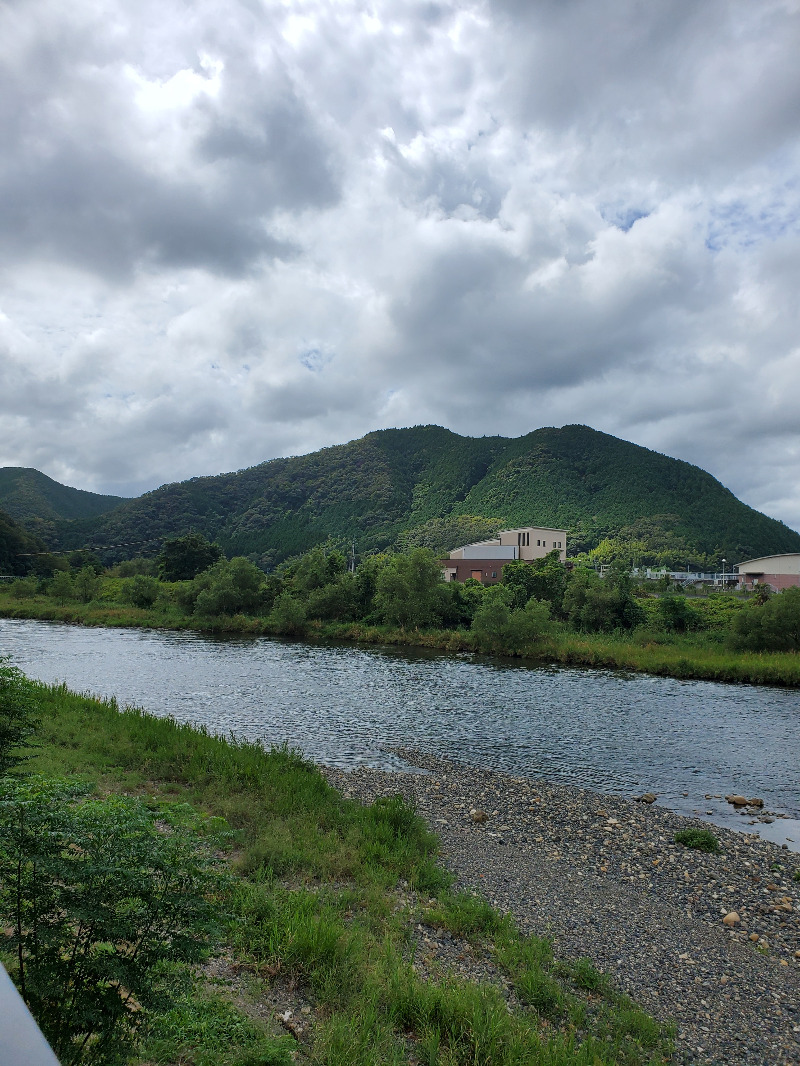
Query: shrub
{"x": 141, "y": 590}
{"x": 17, "y": 714}
{"x": 96, "y": 895}
{"x": 699, "y": 839}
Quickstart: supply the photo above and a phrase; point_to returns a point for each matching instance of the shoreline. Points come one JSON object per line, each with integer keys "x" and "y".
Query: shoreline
{"x": 602, "y": 877}
{"x": 596, "y": 651}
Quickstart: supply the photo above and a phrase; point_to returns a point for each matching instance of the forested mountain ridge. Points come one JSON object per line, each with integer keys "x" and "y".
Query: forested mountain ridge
{"x": 428, "y": 485}
{"x": 36, "y": 500}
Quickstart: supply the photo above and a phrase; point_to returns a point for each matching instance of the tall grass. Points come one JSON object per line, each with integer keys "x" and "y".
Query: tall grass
{"x": 317, "y": 905}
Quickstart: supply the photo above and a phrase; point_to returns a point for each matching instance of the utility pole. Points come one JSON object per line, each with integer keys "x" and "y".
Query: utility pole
{"x": 352, "y": 564}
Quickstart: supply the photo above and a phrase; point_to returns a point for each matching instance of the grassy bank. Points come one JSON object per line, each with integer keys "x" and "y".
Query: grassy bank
{"x": 322, "y": 912}
{"x": 679, "y": 655}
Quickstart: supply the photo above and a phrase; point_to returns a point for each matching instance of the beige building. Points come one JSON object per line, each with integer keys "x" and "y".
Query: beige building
{"x": 777, "y": 571}
{"x": 484, "y": 560}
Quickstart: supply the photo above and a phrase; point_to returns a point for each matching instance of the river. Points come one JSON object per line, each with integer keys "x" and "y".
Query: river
{"x": 349, "y": 705}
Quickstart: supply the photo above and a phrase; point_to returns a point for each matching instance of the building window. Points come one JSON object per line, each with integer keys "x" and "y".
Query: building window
{"x": 494, "y": 573}
{"x": 559, "y": 544}
{"x": 538, "y": 543}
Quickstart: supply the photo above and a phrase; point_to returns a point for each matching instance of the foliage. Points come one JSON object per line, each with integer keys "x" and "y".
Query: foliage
{"x": 85, "y": 584}
{"x": 675, "y": 614}
{"x": 416, "y": 487}
{"x": 699, "y": 839}
{"x": 288, "y": 615}
{"x": 544, "y": 579}
{"x": 18, "y": 715}
{"x": 409, "y": 590}
{"x": 442, "y": 535}
{"x": 228, "y": 587}
{"x": 592, "y": 603}
{"x": 16, "y": 544}
{"x": 771, "y": 626}
{"x": 28, "y": 495}
{"x": 183, "y": 558}
{"x": 62, "y": 587}
{"x": 141, "y": 590}
{"x": 499, "y": 628}
{"x": 96, "y": 894}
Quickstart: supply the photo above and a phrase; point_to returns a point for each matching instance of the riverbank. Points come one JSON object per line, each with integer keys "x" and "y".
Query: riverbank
{"x": 325, "y": 957}
{"x": 604, "y": 879}
{"x": 682, "y": 657}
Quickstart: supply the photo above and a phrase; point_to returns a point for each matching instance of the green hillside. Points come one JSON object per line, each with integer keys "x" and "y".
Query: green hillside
{"x": 428, "y": 485}
{"x": 16, "y": 544}
{"x": 31, "y": 497}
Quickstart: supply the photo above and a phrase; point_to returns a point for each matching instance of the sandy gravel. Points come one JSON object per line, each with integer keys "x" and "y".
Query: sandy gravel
{"x": 603, "y": 878}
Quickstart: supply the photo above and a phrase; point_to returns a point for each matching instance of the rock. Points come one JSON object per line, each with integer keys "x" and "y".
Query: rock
{"x": 738, "y": 801}
{"x": 648, "y": 797}
{"x": 755, "y": 802}
{"x": 478, "y": 816}
{"x": 754, "y": 937}
{"x": 731, "y": 918}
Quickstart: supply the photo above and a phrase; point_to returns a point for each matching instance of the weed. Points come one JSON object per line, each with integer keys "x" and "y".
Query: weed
{"x": 699, "y": 839}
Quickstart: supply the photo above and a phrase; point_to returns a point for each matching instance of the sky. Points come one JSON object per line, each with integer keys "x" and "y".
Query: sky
{"x": 232, "y": 230}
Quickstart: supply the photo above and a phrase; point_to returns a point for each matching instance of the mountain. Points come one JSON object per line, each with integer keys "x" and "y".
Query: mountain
{"x": 16, "y": 547}
{"x": 425, "y": 484}
{"x": 29, "y": 496}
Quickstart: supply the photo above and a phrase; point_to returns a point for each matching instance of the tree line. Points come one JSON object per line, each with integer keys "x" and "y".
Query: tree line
{"x": 406, "y": 590}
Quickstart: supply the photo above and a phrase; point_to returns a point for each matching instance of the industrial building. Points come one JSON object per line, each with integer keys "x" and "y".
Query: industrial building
{"x": 484, "y": 560}
{"x": 778, "y": 571}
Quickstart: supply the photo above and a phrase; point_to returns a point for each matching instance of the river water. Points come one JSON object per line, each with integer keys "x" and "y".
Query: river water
{"x": 349, "y": 706}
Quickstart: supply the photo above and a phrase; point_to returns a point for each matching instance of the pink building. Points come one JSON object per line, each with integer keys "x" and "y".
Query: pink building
{"x": 778, "y": 571}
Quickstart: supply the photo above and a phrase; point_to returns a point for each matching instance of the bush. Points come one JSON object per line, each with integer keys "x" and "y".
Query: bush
{"x": 24, "y": 588}
{"x": 96, "y": 895}
{"x": 773, "y": 626}
{"x": 699, "y": 839}
{"x": 288, "y": 616}
{"x": 18, "y": 714}
{"x": 141, "y": 591}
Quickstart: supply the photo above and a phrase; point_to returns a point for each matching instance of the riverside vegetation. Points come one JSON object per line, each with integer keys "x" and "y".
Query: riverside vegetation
{"x": 168, "y": 896}
{"x": 540, "y": 611}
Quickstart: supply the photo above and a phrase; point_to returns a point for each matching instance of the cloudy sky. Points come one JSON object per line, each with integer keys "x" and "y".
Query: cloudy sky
{"x": 235, "y": 230}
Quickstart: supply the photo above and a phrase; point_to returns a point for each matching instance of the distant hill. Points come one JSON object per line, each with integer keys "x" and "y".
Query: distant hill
{"x": 16, "y": 546}
{"x": 426, "y": 484}
{"x": 38, "y": 502}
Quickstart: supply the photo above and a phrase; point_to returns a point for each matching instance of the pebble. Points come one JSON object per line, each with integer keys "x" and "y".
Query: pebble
{"x": 603, "y": 878}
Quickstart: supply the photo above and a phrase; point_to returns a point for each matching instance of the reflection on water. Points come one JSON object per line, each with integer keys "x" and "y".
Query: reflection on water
{"x": 347, "y": 706}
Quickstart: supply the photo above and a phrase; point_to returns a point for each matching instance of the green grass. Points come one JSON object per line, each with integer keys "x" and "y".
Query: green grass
{"x": 699, "y": 839}
{"x": 317, "y": 909}
{"x": 698, "y": 656}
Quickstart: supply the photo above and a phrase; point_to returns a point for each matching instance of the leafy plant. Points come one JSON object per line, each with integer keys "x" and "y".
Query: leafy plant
{"x": 96, "y": 894}
{"x": 699, "y": 839}
{"x": 18, "y": 715}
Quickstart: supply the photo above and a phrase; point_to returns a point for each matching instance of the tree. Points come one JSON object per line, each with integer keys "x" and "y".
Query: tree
{"x": 18, "y": 715}
{"x": 86, "y": 584}
{"x": 288, "y": 615}
{"x": 773, "y": 626}
{"x": 183, "y": 558}
{"x": 95, "y": 895}
{"x": 544, "y": 579}
{"x": 592, "y": 603}
{"x": 229, "y": 587}
{"x": 141, "y": 590}
{"x": 499, "y": 628}
{"x": 410, "y": 589}
{"x": 61, "y": 587}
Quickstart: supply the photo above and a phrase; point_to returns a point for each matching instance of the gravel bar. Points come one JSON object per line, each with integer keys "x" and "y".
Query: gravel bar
{"x": 603, "y": 878}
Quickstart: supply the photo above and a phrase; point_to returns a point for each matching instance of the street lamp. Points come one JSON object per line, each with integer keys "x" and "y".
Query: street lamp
{"x": 724, "y": 561}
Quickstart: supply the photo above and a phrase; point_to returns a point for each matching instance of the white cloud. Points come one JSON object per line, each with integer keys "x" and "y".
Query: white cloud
{"x": 229, "y": 232}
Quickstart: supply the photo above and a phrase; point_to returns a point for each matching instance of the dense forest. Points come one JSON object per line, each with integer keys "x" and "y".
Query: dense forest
{"x": 428, "y": 487}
